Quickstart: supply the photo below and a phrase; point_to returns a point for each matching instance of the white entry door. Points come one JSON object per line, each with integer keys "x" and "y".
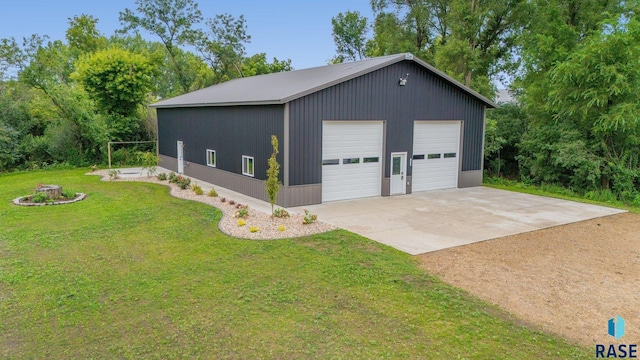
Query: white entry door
{"x": 180, "y": 157}
{"x": 351, "y": 159}
{"x": 398, "y": 173}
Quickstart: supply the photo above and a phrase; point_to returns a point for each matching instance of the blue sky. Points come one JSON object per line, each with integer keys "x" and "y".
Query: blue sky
{"x": 287, "y": 29}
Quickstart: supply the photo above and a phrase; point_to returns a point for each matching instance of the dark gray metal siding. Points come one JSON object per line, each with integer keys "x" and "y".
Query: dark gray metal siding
{"x": 377, "y": 96}
{"x": 230, "y": 131}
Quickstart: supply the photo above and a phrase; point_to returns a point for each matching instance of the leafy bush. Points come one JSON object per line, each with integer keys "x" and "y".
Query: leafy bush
{"x": 213, "y": 193}
{"x": 309, "y": 218}
{"x": 125, "y": 157}
{"x": 114, "y": 174}
{"x": 241, "y": 222}
{"x": 231, "y": 202}
{"x": 223, "y": 199}
{"x": 281, "y": 228}
{"x": 39, "y": 198}
{"x": 254, "y": 229}
{"x": 149, "y": 162}
{"x": 68, "y": 194}
{"x": 281, "y": 213}
{"x": 183, "y": 182}
{"x": 162, "y": 177}
{"x": 173, "y": 177}
{"x": 243, "y": 212}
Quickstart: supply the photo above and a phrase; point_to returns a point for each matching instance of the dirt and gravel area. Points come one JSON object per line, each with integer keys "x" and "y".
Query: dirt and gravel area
{"x": 267, "y": 227}
{"x": 567, "y": 280}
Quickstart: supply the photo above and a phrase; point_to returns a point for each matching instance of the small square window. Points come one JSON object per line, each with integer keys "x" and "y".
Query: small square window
{"x": 211, "y": 158}
{"x": 247, "y": 165}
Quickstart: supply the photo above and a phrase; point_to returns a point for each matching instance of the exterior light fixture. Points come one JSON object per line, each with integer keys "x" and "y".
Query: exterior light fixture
{"x": 403, "y": 80}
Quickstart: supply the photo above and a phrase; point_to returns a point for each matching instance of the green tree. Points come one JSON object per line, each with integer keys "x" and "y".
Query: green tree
{"x": 116, "y": 79}
{"x": 9, "y": 146}
{"x": 172, "y": 21}
{"x": 581, "y": 71}
{"x": 83, "y": 35}
{"x": 394, "y": 34}
{"x": 272, "y": 184}
{"x": 349, "y": 35}
{"x": 223, "y": 46}
{"x": 504, "y": 128}
{"x": 480, "y": 41}
{"x": 258, "y": 65}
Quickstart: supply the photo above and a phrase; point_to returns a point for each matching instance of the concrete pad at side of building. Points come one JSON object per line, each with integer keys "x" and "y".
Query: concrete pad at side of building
{"x": 440, "y": 219}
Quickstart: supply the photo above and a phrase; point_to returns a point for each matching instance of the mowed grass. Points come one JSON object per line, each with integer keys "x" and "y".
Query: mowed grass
{"x": 132, "y": 272}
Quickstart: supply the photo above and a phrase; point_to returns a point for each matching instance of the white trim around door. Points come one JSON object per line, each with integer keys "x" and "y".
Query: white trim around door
{"x": 180, "y": 157}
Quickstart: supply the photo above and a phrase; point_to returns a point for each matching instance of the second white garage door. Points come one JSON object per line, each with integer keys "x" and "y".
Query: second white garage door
{"x": 436, "y": 147}
{"x": 351, "y": 159}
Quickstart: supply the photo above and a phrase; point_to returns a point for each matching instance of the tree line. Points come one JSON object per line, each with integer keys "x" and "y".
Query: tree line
{"x": 573, "y": 67}
{"x": 61, "y": 101}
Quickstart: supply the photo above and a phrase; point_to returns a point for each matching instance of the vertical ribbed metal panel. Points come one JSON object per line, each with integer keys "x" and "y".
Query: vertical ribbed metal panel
{"x": 377, "y": 96}
{"x": 231, "y": 131}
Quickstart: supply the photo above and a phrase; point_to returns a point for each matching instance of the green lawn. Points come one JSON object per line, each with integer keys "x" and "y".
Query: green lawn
{"x": 601, "y": 197}
{"x": 132, "y": 272}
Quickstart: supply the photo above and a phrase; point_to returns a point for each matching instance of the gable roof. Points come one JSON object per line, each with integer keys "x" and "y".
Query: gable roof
{"x": 280, "y": 88}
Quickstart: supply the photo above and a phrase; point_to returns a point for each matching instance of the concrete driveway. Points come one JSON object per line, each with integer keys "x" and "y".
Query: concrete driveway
{"x": 434, "y": 220}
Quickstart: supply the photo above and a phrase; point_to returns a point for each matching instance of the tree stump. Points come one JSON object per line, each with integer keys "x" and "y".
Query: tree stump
{"x": 53, "y": 192}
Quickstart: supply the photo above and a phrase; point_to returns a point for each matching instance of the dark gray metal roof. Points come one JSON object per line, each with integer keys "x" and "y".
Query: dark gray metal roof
{"x": 280, "y": 88}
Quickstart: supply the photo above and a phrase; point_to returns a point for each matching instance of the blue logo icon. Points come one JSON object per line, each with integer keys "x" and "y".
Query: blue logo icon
{"x": 616, "y": 327}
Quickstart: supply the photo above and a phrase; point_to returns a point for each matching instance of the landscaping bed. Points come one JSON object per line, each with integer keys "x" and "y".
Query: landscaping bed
{"x": 256, "y": 225}
{"x": 567, "y": 280}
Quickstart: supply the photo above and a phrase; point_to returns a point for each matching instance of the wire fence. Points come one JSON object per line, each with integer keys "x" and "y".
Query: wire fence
{"x": 110, "y": 143}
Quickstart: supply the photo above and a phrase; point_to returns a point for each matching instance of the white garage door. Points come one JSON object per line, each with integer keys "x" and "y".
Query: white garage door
{"x": 436, "y": 147}
{"x": 351, "y": 159}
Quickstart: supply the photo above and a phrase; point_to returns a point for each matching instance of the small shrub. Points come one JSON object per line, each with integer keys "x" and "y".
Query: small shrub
{"x": 197, "y": 189}
{"x": 213, "y": 193}
{"x": 149, "y": 162}
{"x": 183, "y": 182}
{"x": 39, "y": 198}
{"x": 114, "y": 174}
{"x": 241, "y": 222}
{"x": 231, "y": 202}
{"x": 254, "y": 229}
{"x": 68, "y": 194}
{"x": 94, "y": 168}
{"x": 281, "y": 213}
{"x": 162, "y": 177}
{"x": 223, "y": 199}
{"x": 173, "y": 177}
{"x": 243, "y": 212}
{"x": 281, "y": 228}
{"x": 309, "y": 218}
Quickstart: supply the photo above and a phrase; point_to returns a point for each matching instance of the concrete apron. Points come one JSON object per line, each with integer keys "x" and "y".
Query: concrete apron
{"x": 434, "y": 220}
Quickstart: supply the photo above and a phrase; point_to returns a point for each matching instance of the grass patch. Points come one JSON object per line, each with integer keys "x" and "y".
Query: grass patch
{"x": 131, "y": 272}
{"x": 602, "y": 197}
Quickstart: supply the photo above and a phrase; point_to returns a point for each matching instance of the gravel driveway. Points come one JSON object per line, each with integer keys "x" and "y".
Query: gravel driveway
{"x": 567, "y": 280}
